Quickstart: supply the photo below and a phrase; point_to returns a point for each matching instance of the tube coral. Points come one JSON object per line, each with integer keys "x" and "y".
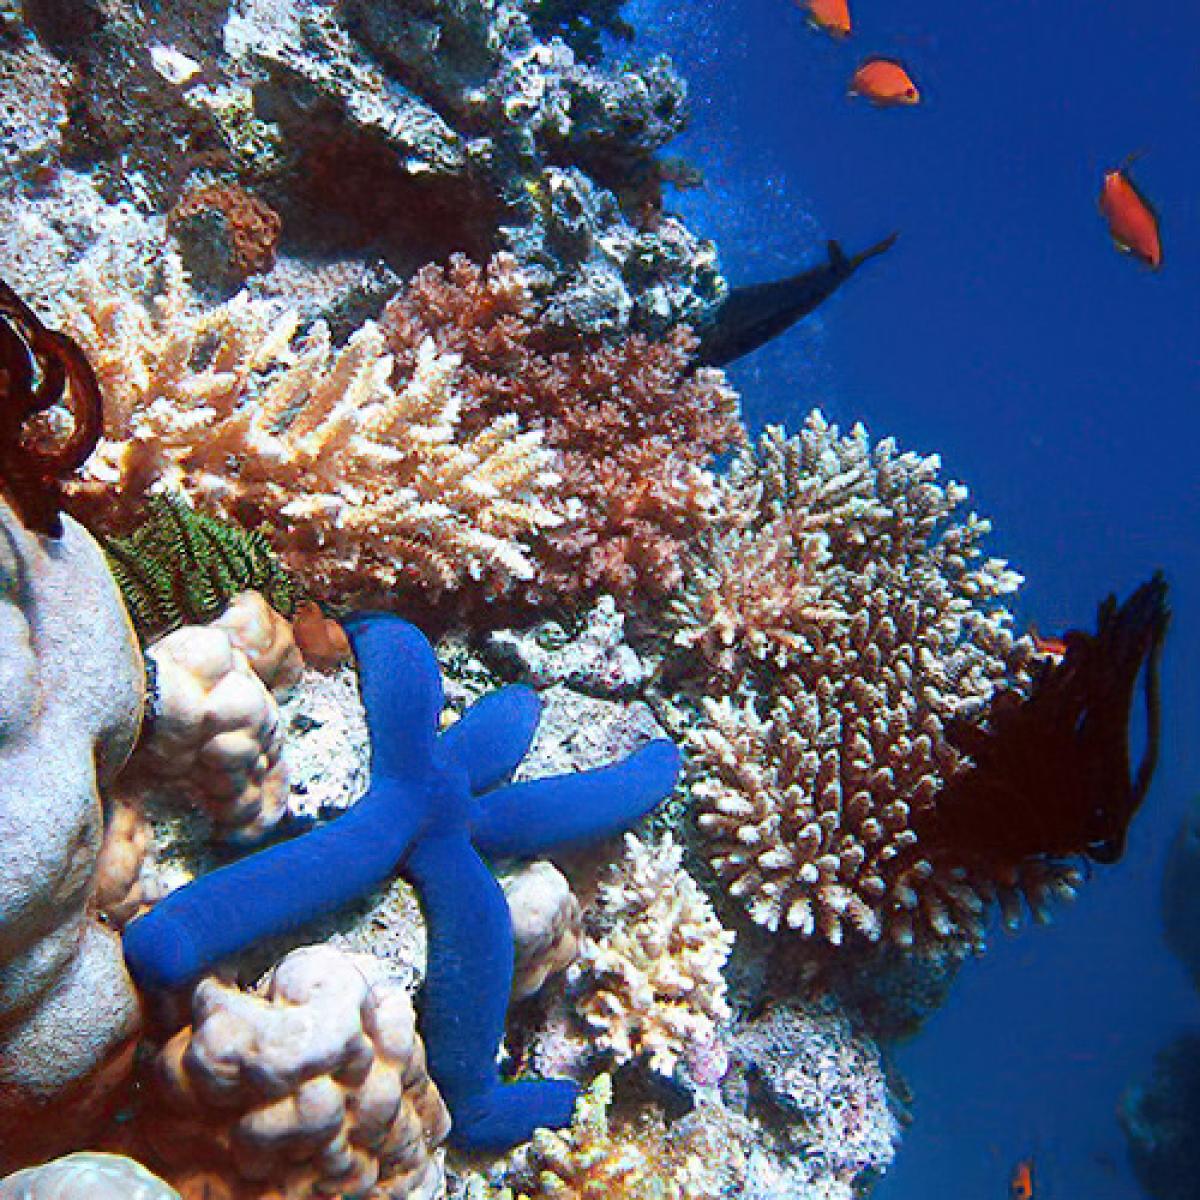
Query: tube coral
{"x": 361, "y": 487}
{"x": 635, "y": 428}
{"x": 814, "y": 776}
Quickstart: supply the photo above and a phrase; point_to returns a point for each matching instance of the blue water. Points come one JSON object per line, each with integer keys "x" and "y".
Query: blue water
{"x": 1057, "y": 378}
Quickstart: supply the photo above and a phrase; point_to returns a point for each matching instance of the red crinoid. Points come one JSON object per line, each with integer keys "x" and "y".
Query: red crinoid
{"x": 1052, "y": 772}
{"x": 51, "y": 413}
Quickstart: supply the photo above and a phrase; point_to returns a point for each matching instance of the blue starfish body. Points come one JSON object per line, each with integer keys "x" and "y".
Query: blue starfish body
{"x": 431, "y": 814}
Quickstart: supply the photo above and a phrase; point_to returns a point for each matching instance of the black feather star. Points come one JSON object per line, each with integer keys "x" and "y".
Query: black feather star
{"x": 1051, "y": 775}
{"x": 44, "y": 376}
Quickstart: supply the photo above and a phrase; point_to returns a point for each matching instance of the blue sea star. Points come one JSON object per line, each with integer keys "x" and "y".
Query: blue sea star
{"x": 430, "y": 814}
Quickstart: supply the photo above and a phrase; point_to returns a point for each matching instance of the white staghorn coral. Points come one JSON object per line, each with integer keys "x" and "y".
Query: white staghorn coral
{"x": 361, "y": 486}
{"x": 812, "y": 775}
{"x": 650, "y": 984}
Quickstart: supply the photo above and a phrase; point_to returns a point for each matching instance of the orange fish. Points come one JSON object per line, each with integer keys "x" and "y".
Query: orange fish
{"x": 1131, "y": 220}
{"x": 1021, "y": 1186}
{"x": 1053, "y": 646}
{"x": 832, "y": 16}
{"x": 884, "y": 82}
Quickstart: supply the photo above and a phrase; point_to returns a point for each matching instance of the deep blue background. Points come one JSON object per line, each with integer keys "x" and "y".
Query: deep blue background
{"x": 1057, "y": 378}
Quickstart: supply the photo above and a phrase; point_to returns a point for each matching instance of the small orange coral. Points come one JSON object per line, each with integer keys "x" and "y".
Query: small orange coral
{"x": 635, "y": 426}
{"x": 246, "y": 228}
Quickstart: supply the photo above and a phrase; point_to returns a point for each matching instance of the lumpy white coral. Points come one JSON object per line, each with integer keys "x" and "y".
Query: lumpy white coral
{"x": 360, "y": 484}
{"x": 650, "y": 983}
{"x": 316, "y": 1086}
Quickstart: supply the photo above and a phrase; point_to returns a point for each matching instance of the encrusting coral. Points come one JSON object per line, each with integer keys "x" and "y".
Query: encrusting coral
{"x": 635, "y": 428}
{"x": 434, "y": 812}
{"x": 225, "y": 233}
{"x": 812, "y": 777}
{"x": 71, "y": 695}
{"x": 648, "y": 979}
{"x": 315, "y": 1084}
{"x": 361, "y": 486}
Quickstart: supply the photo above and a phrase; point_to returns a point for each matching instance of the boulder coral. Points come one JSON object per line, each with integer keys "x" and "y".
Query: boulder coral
{"x": 546, "y": 922}
{"x": 86, "y": 1176}
{"x": 71, "y": 695}
{"x": 214, "y": 733}
{"x": 313, "y": 1085}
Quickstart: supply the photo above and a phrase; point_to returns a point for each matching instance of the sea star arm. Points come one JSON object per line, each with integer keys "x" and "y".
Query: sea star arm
{"x": 401, "y": 687}
{"x": 494, "y": 734}
{"x": 464, "y": 999}
{"x": 565, "y": 811}
{"x": 274, "y": 892}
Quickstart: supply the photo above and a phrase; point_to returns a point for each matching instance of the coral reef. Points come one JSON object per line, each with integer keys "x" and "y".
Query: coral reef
{"x": 635, "y": 428}
{"x": 431, "y": 812}
{"x": 813, "y": 777}
{"x": 313, "y": 1085}
{"x": 1159, "y": 1119}
{"x": 361, "y": 487}
{"x": 405, "y": 131}
{"x": 86, "y": 1176}
{"x": 182, "y": 567}
{"x": 825, "y": 1090}
{"x": 648, "y": 980}
{"x": 70, "y": 706}
{"x": 214, "y": 733}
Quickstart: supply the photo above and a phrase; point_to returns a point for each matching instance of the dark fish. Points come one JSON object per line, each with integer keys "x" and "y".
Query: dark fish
{"x": 752, "y": 316}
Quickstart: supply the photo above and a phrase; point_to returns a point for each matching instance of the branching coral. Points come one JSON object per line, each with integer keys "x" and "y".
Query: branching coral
{"x": 361, "y": 486}
{"x": 182, "y": 567}
{"x": 635, "y": 430}
{"x": 593, "y": 1161}
{"x": 315, "y": 1086}
{"x": 649, "y": 982}
{"x": 814, "y": 781}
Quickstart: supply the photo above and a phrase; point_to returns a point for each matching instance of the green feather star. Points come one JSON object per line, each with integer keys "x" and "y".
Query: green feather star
{"x": 182, "y": 567}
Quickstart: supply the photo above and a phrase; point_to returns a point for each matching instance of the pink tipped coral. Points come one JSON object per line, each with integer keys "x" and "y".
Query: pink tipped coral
{"x": 635, "y": 427}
